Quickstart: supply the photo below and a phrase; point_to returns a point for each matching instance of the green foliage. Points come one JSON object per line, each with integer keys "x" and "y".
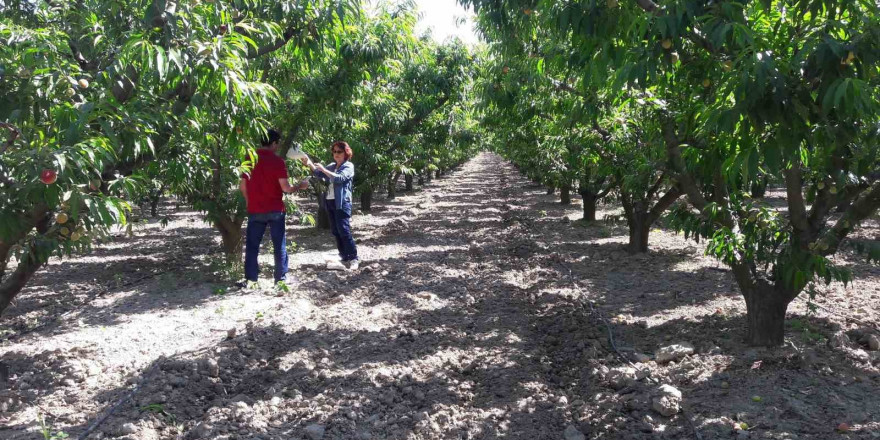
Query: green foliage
{"x": 48, "y": 433}
{"x": 718, "y": 96}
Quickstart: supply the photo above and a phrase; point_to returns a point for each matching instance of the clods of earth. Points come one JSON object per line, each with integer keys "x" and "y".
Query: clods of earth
{"x": 482, "y": 310}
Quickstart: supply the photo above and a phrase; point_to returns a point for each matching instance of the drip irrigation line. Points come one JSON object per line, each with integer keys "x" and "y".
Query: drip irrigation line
{"x": 810, "y": 303}
{"x": 125, "y": 398}
{"x": 585, "y": 303}
{"x": 146, "y": 378}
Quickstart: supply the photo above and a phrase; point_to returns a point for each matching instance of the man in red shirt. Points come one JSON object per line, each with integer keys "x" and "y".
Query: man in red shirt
{"x": 263, "y": 190}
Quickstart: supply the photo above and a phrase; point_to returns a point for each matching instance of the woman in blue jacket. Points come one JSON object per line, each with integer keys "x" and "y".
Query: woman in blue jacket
{"x": 339, "y": 176}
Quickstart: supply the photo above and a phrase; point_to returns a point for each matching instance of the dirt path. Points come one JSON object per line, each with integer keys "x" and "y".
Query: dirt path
{"x": 463, "y": 323}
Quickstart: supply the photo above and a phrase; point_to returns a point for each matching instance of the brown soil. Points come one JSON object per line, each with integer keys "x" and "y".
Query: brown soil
{"x": 482, "y": 311}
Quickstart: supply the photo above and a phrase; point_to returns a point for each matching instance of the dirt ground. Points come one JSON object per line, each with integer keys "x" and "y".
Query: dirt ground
{"x": 483, "y": 310}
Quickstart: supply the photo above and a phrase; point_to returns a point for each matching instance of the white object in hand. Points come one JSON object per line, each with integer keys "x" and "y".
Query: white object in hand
{"x": 295, "y": 153}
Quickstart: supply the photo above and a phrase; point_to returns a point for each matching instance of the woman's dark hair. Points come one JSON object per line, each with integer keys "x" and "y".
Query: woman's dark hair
{"x": 271, "y": 136}
{"x": 345, "y": 147}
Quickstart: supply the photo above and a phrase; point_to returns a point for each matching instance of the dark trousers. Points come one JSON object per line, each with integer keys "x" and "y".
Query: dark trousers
{"x": 340, "y": 226}
{"x": 256, "y": 227}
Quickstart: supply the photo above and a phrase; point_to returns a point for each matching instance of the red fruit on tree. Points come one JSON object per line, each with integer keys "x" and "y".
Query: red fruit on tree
{"x": 48, "y": 176}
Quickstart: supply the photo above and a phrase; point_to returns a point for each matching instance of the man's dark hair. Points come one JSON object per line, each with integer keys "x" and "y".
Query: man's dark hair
{"x": 271, "y": 136}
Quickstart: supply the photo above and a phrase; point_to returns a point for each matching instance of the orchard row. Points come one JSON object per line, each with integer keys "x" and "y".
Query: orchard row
{"x": 105, "y": 105}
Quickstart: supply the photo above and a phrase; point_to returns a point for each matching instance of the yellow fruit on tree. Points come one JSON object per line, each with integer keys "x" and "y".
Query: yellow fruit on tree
{"x": 75, "y": 236}
{"x": 820, "y": 185}
{"x": 527, "y": 11}
{"x": 83, "y": 83}
{"x": 728, "y": 66}
{"x": 666, "y": 43}
{"x": 61, "y": 218}
{"x": 64, "y": 231}
{"x": 612, "y": 3}
{"x": 707, "y": 82}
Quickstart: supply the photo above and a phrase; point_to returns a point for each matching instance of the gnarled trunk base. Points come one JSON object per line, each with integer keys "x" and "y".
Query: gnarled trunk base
{"x": 323, "y": 219}
{"x": 590, "y": 202}
{"x": 366, "y": 200}
{"x": 231, "y": 239}
{"x": 565, "y": 195}
{"x": 765, "y": 316}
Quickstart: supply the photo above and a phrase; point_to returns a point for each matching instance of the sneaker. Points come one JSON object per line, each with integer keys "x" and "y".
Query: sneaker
{"x": 335, "y": 265}
{"x": 246, "y": 284}
{"x": 353, "y": 265}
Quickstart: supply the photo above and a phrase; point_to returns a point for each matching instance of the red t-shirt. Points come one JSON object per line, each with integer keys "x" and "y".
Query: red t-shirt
{"x": 263, "y": 190}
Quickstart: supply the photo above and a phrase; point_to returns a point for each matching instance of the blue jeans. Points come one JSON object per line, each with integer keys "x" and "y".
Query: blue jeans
{"x": 256, "y": 227}
{"x": 341, "y": 229}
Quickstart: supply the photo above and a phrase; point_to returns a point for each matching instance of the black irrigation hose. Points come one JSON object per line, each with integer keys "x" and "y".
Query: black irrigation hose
{"x": 810, "y": 302}
{"x": 585, "y": 303}
{"x": 146, "y": 378}
{"x": 116, "y": 405}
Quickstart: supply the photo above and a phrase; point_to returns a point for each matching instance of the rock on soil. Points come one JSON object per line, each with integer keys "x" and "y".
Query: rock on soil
{"x": 674, "y": 352}
{"x": 315, "y": 431}
{"x": 667, "y": 401}
{"x": 572, "y": 433}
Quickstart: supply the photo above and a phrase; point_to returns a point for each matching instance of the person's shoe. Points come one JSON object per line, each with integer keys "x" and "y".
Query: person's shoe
{"x": 353, "y": 265}
{"x": 335, "y": 265}
{"x": 246, "y": 284}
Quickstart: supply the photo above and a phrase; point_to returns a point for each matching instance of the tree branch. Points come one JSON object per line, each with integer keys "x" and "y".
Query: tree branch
{"x": 649, "y": 6}
{"x": 865, "y": 205}
{"x": 14, "y": 133}
{"x": 664, "y": 203}
{"x": 289, "y": 33}
{"x": 653, "y": 190}
{"x": 797, "y": 210}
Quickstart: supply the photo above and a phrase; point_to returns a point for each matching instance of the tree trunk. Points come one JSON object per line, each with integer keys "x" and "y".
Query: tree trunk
{"x": 231, "y": 235}
{"x": 639, "y": 228}
{"x": 759, "y": 187}
{"x": 409, "y": 182}
{"x": 36, "y": 255}
{"x": 565, "y": 195}
{"x": 366, "y": 199}
{"x": 421, "y": 180}
{"x": 765, "y": 315}
{"x": 551, "y": 190}
{"x": 438, "y": 174}
{"x": 392, "y": 186}
{"x": 590, "y": 202}
{"x": 323, "y": 219}
{"x": 154, "y": 204}
{"x": 428, "y": 176}
{"x": 16, "y": 281}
